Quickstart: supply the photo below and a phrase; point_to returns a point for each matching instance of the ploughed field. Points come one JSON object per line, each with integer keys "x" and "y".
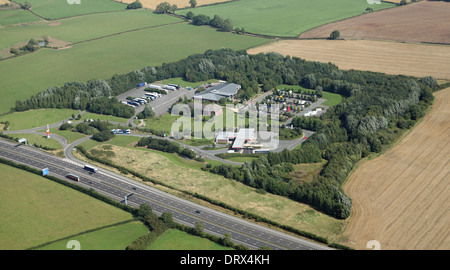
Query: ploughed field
{"x": 401, "y": 198}
{"x": 387, "y": 57}
{"x": 424, "y": 21}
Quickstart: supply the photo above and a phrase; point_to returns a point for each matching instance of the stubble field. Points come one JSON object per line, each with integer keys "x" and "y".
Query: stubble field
{"x": 424, "y": 21}
{"x": 401, "y": 198}
{"x": 388, "y": 57}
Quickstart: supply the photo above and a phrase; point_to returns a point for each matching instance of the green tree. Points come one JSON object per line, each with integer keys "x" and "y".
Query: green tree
{"x": 199, "y": 227}
{"x": 135, "y": 5}
{"x": 173, "y": 8}
{"x": 193, "y": 3}
{"x": 163, "y": 7}
{"x": 144, "y": 210}
{"x": 201, "y": 19}
{"x": 190, "y": 15}
{"x": 335, "y": 34}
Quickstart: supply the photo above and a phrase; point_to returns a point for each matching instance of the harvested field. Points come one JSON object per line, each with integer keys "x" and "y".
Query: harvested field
{"x": 424, "y": 21}
{"x": 388, "y": 57}
{"x": 151, "y": 4}
{"x": 401, "y": 198}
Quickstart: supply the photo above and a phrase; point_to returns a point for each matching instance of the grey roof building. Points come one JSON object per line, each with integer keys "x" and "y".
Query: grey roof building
{"x": 215, "y": 93}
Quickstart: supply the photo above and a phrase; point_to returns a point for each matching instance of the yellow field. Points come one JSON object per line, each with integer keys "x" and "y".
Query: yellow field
{"x": 151, "y": 4}
{"x": 401, "y": 199}
{"x": 388, "y": 57}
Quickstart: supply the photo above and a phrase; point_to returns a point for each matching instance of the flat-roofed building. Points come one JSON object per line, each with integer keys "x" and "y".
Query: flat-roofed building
{"x": 216, "y": 93}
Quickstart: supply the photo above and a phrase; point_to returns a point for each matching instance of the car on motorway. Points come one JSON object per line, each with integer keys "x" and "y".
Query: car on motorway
{"x": 197, "y": 211}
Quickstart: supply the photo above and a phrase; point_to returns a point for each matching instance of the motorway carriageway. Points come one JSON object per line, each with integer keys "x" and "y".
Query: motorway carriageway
{"x": 117, "y": 187}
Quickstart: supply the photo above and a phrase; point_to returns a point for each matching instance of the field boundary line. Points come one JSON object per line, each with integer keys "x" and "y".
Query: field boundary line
{"x": 81, "y": 233}
{"x": 123, "y": 32}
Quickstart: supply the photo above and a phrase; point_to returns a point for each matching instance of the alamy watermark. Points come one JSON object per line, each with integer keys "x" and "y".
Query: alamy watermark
{"x": 74, "y": 2}
{"x": 262, "y": 120}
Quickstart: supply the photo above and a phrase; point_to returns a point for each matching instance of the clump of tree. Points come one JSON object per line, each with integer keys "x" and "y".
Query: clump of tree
{"x": 193, "y": 3}
{"x": 103, "y": 136}
{"x": 216, "y": 22}
{"x": 147, "y": 112}
{"x": 166, "y": 146}
{"x": 335, "y": 34}
{"x": 166, "y": 7}
{"x": 135, "y": 5}
{"x": 31, "y": 47}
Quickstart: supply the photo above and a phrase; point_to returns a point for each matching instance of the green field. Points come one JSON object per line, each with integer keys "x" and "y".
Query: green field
{"x": 55, "y": 9}
{"x": 78, "y": 29}
{"x": 36, "y": 118}
{"x": 332, "y": 99}
{"x": 285, "y": 17}
{"x": 178, "y": 240}
{"x": 105, "y": 57}
{"x": 39, "y": 140}
{"x": 16, "y": 16}
{"x": 116, "y": 237}
{"x": 35, "y": 210}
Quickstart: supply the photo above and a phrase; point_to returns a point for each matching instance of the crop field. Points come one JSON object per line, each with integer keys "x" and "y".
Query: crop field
{"x": 82, "y": 28}
{"x": 159, "y": 167}
{"x": 36, "y": 118}
{"x": 16, "y": 16}
{"x": 151, "y": 4}
{"x": 105, "y": 57}
{"x": 424, "y": 21}
{"x": 55, "y": 9}
{"x": 116, "y": 237}
{"x": 42, "y": 211}
{"x": 285, "y": 17}
{"x": 387, "y": 57}
{"x": 401, "y": 197}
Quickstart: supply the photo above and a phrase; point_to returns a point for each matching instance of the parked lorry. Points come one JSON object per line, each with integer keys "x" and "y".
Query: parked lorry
{"x": 152, "y": 86}
{"x": 168, "y": 87}
{"x": 142, "y": 84}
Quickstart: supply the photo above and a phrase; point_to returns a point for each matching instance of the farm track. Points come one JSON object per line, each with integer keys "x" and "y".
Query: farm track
{"x": 401, "y": 198}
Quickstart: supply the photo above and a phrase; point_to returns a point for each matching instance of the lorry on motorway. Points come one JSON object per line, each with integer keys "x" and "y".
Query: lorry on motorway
{"x": 90, "y": 168}
{"x": 73, "y": 177}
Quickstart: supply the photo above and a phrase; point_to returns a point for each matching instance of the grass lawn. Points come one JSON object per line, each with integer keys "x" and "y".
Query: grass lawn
{"x": 116, "y": 237}
{"x": 101, "y": 59}
{"x": 70, "y": 136}
{"x": 16, "y": 16}
{"x": 103, "y": 117}
{"x": 54, "y": 9}
{"x": 332, "y": 99}
{"x": 36, "y": 118}
{"x": 35, "y": 210}
{"x": 285, "y": 17}
{"x": 39, "y": 140}
{"x": 179, "y": 240}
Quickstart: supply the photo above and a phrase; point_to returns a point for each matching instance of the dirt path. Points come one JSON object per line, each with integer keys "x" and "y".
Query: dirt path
{"x": 402, "y": 198}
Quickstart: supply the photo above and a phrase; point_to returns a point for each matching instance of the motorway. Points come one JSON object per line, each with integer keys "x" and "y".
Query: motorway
{"x": 185, "y": 212}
